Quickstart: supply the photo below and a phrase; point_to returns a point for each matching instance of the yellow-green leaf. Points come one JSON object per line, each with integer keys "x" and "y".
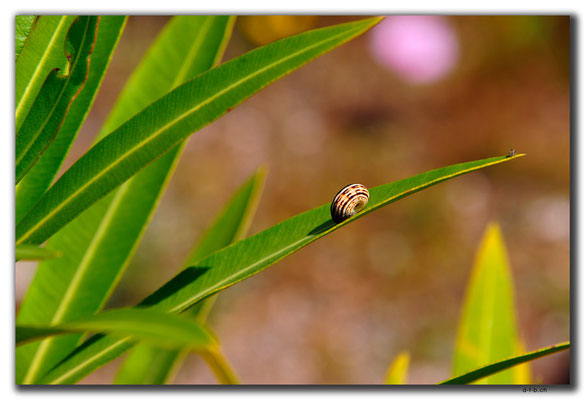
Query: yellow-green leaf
{"x": 23, "y": 24}
{"x": 34, "y": 252}
{"x": 398, "y": 370}
{"x": 488, "y": 329}
{"x": 155, "y": 327}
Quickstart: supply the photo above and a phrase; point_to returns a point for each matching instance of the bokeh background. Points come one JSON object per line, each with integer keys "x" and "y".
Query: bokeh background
{"x": 413, "y": 94}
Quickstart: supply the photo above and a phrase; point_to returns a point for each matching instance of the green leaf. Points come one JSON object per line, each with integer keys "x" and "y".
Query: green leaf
{"x": 40, "y": 176}
{"x": 170, "y": 120}
{"x": 398, "y": 370}
{"x": 148, "y": 366}
{"x": 98, "y": 245}
{"x": 138, "y": 367}
{"x": 497, "y": 367}
{"x": 488, "y": 329}
{"x": 23, "y": 24}
{"x": 187, "y": 46}
{"x": 33, "y": 252}
{"x": 247, "y": 257}
{"x": 156, "y": 327}
{"x": 44, "y": 51}
{"x": 52, "y": 104}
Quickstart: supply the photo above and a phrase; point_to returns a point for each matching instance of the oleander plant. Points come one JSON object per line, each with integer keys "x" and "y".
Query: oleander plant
{"x": 83, "y": 226}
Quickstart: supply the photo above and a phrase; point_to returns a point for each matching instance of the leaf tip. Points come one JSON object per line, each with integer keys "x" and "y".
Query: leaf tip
{"x": 397, "y": 371}
{"x": 373, "y": 21}
{"x": 516, "y": 156}
{"x": 261, "y": 172}
{"x": 493, "y": 228}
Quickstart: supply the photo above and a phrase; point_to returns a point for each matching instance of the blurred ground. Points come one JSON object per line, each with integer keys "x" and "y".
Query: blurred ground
{"x": 341, "y": 309}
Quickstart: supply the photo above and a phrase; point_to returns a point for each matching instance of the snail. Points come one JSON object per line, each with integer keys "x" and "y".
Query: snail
{"x": 349, "y": 201}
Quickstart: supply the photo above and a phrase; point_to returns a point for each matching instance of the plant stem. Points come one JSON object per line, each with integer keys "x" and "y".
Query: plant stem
{"x": 219, "y": 365}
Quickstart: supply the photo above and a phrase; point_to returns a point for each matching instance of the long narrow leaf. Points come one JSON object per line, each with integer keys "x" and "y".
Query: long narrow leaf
{"x": 40, "y": 176}
{"x": 170, "y": 120}
{"x": 245, "y": 258}
{"x": 50, "y": 108}
{"x": 33, "y": 252}
{"x": 488, "y": 330}
{"x": 186, "y": 47}
{"x": 162, "y": 329}
{"x": 99, "y": 244}
{"x": 149, "y": 366}
{"x": 44, "y": 51}
{"x": 503, "y": 365}
{"x": 23, "y": 24}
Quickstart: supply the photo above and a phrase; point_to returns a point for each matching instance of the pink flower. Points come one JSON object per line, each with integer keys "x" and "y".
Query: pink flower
{"x": 421, "y": 49}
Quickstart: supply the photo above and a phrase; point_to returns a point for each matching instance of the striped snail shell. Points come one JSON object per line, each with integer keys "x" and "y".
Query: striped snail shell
{"x": 349, "y": 201}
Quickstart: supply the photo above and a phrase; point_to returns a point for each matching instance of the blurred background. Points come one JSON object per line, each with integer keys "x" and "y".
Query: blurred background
{"x": 413, "y": 94}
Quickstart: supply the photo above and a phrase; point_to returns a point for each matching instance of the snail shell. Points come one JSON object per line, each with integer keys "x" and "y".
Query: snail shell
{"x": 349, "y": 201}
